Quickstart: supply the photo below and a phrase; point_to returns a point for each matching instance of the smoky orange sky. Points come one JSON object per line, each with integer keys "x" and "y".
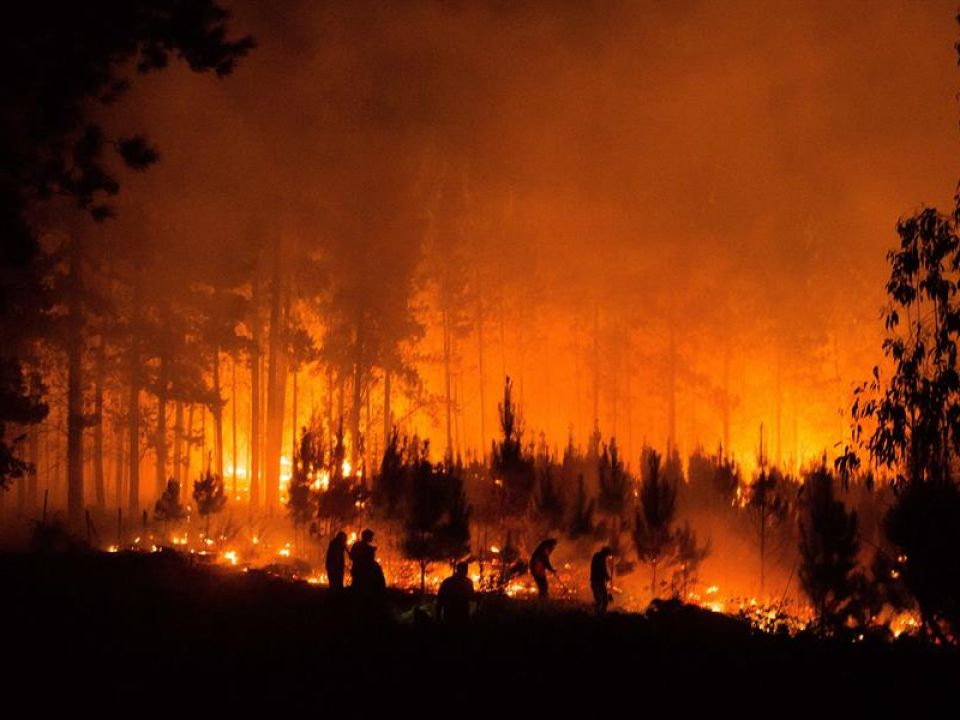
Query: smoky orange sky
{"x": 722, "y": 178}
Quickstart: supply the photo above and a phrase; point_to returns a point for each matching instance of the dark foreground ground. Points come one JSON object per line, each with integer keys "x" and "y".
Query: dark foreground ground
{"x": 121, "y": 634}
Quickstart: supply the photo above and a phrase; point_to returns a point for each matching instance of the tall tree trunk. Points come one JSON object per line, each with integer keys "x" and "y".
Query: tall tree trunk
{"x": 293, "y": 422}
{"x": 98, "y": 479}
{"x": 726, "y": 401}
{"x": 341, "y": 397}
{"x": 387, "y": 417}
{"x": 217, "y": 410}
{"x": 576, "y": 378}
{"x": 778, "y": 457}
{"x": 133, "y": 410}
{"x": 22, "y": 487}
{"x": 118, "y": 473}
{"x": 57, "y": 495}
{"x": 483, "y": 393}
{"x": 75, "y": 418}
{"x": 629, "y": 401}
{"x": 446, "y": 379}
{"x": 233, "y": 419}
{"x": 34, "y": 449}
{"x": 160, "y": 439}
{"x": 178, "y": 442}
{"x": 255, "y": 398}
{"x": 672, "y": 393}
{"x": 330, "y": 394}
{"x": 276, "y": 387}
{"x": 357, "y": 397}
{"x": 367, "y": 444}
{"x": 204, "y": 460}
{"x": 596, "y": 366}
{"x": 188, "y": 455}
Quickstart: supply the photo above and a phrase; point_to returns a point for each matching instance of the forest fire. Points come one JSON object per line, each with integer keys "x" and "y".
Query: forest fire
{"x": 345, "y": 342}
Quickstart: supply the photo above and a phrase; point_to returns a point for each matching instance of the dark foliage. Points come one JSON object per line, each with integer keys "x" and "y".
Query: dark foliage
{"x": 390, "y": 485}
{"x": 549, "y": 500}
{"x": 307, "y": 464}
{"x": 57, "y": 62}
{"x": 437, "y": 519}
{"x": 209, "y": 495}
{"x": 688, "y": 558}
{"x": 613, "y": 481}
{"x": 829, "y": 544}
{"x": 580, "y": 524}
{"x": 924, "y": 525}
{"x": 513, "y": 468}
{"x": 340, "y": 503}
{"x": 168, "y": 507}
{"x": 653, "y": 533}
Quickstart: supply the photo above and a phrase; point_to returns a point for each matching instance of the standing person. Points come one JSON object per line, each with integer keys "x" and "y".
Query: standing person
{"x": 336, "y": 561}
{"x": 363, "y": 564}
{"x": 454, "y": 596}
{"x": 600, "y": 578}
{"x": 540, "y": 564}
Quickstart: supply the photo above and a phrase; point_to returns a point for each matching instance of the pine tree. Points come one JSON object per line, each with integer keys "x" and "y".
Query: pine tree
{"x": 168, "y": 507}
{"x": 767, "y": 505}
{"x": 301, "y": 494}
{"x": 512, "y": 467}
{"x": 390, "y": 484}
{"x": 581, "y": 517}
{"x": 340, "y": 502}
{"x": 654, "y": 536}
{"x": 690, "y": 554}
{"x": 549, "y": 501}
{"x": 828, "y": 549}
{"x": 209, "y": 495}
{"x": 437, "y": 518}
{"x": 613, "y": 481}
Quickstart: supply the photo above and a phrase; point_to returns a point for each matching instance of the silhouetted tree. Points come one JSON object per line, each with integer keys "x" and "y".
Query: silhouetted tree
{"x": 924, "y": 525}
{"x": 548, "y": 499}
{"x": 512, "y": 467}
{"x": 653, "y": 534}
{"x": 301, "y": 495}
{"x": 690, "y": 554}
{"x": 168, "y": 507}
{"x": 437, "y": 516}
{"x": 581, "y": 522}
{"x": 390, "y": 484}
{"x": 915, "y": 412}
{"x": 767, "y": 506}
{"x": 828, "y": 548}
{"x": 340, "y": 502}
{"x": 20, "y": 400}
{"x": 51, "y": 144}
{"x": 613, "y": 481}
{"x": 209, "y": 496}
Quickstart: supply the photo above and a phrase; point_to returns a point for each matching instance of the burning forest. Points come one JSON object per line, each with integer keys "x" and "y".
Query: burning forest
{"x": 430, "y": 332}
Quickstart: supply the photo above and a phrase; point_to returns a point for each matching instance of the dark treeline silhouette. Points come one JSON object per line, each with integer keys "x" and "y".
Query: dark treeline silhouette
{"x": 63, "y": 67}
{"x": 129, "y": 334}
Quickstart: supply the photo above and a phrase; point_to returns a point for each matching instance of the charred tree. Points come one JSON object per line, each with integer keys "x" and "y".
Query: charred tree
{"x": 276, "y": 385}
{"x": 75, "y": 415}
{"x": 255, "y": 400}
{"x": 100, "y": 373}
{"x": 135, "y": 383}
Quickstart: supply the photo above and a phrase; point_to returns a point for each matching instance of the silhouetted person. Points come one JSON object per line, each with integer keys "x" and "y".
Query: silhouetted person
{"x": 600, "y": 579}
{"x": 336, "y": 560}
{"x": 306, "y": 442}
{"x": 454, "y": 596}
{"x": 540, "y": 564}
{"x": 365, "y": 572}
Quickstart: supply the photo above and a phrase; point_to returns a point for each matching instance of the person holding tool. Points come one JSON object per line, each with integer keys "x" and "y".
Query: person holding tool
{"x": 540, "y": 564}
